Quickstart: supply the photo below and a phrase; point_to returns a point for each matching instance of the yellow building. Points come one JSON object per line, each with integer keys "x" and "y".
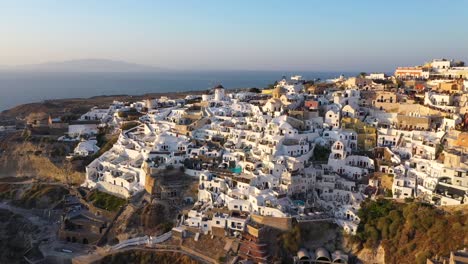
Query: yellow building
{"x": 367, "y": 135}
{"x": 275, "y": 92}
{"x": 413, "y": 122}
{"x": 451, "y": 87}
{"x": 462, "y": 141}
{"x": 278, "y": 92}
{"x": 386, "y": 101}
{"x": 267, "y": 91}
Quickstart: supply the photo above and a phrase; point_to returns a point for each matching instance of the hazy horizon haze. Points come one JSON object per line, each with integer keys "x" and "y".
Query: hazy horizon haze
{"x": 235, "y": 35}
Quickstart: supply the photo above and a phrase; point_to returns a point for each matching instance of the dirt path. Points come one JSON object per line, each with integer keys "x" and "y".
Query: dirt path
{"x": 26, "y": 213}
{"x": 99, "y": 255}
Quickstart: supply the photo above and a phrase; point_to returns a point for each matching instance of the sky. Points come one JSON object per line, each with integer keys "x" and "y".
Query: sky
{"x": 236, "y": 35}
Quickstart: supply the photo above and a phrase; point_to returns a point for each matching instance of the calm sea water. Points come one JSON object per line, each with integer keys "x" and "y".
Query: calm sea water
{"x": 26, "y": 87}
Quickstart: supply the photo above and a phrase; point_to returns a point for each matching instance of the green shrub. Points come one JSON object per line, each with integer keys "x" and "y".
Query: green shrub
{"x": 388, "y": 193}
{"x": 321, "y": 153}
{"x": 129, "y": 125}
{"x": 106, "y": 201}
{"x": 291, "y": 239}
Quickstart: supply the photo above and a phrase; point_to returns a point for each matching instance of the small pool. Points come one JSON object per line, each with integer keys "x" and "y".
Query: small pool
{"x": 299, "y": 202}
{"x": 236, "y": 170}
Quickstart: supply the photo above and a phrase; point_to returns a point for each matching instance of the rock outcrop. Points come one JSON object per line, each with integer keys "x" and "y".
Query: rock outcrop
{"x": 43, "y": 160}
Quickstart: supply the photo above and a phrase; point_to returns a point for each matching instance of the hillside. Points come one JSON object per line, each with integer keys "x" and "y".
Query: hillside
{"x": 74, "y": 107}
{"x": 45, "y": 158}
{"x": 140, "y": 256}
{"x": 16, "y": 233}
{"x": 60, "y": 106}
{"x": 411, "y": 232}
{"x": 40, "y": 159}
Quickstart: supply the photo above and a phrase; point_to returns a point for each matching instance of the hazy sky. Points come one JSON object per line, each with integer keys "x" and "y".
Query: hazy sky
{"x": 237, "y": 34}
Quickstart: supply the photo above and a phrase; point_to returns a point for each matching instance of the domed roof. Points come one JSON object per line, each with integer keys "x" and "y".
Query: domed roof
{"x": 219, "y": 86}
{"x": 322, "y": 254}
{"x": 302, "y": 254}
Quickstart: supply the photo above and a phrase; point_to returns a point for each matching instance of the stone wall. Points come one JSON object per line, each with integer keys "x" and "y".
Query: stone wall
{"x": 79, "y": 236}
{"x": 149, "y": 184}
{"x": 282, "y": 223}
{"x": 405, "y": 109}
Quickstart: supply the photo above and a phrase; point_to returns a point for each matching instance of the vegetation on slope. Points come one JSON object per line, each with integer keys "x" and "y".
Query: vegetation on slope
{"x": 321, "y": 153}
{"x": 7, "y": 191}
{"x": 291, "y": 240}
{"x": 106, "y": 201}
{"x": 41, "y": 196}
{"x": 129, "y": 125}
{"x": 148, "y": 257}
{"x": 411, "y": 232}
{"x": 105, "y": 144}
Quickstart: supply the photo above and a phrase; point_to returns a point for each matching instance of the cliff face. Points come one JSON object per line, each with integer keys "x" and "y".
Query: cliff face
{"x": 153, "y": 215}
{"x": 15, "y": 236}
{"x": 376, "y": 256}
{"x": 41, "y": 160}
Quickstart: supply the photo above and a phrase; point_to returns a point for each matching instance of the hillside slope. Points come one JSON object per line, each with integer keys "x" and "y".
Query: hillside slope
{"x": 412, "y": 232}
{"x": 42, "y": 160}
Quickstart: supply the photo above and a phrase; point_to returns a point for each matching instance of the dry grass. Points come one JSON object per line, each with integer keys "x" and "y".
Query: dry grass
{"x": 41, "y": 196}
{"x": 142, "y": 256}
{"x": 24, "y": 159}
{"x": 213, "y": 248}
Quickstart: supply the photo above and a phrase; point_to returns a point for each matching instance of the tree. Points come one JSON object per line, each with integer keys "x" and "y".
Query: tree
{"x": 272, "y": 86}
{"x": 255, "y": 90}
{"x": 292, "y": 239}
{"x": 389, "y": 193}
{"x": 321, "y": 153}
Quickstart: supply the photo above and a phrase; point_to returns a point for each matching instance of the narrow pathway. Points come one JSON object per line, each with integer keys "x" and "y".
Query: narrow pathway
{"x": 98, "y": 255}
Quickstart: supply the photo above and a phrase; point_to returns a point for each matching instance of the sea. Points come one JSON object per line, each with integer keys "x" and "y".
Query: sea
{"x": 26, "y": 87}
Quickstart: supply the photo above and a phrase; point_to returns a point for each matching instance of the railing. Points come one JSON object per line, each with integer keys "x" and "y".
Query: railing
{"x": 161, "y": 238}
{"x": 131, "y": 242}
{"x": 145, "y": 240}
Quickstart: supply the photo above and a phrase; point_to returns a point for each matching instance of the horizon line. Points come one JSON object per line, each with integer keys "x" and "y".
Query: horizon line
{"x": 159, "y": 68}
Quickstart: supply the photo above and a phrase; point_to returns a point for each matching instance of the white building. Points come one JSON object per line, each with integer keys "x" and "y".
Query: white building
{"x": 86, "y": 148}
{"x": 376, "y": 76}
{"x": 83, "y": 128}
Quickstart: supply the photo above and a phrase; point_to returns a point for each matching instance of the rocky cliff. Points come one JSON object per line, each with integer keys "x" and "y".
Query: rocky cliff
{"x": 16, "y": 233}
{"x": 43, "y": 160}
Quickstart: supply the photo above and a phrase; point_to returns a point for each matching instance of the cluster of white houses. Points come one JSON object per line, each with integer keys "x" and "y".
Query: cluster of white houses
{"x": 258, "y": 153}
{"x": 438, "y": 68}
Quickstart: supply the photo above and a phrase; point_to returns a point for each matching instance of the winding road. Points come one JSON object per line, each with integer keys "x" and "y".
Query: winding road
{"x": 99, "y": 254}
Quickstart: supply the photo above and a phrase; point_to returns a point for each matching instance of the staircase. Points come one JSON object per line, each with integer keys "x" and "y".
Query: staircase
{"x": 252, "y": 249}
